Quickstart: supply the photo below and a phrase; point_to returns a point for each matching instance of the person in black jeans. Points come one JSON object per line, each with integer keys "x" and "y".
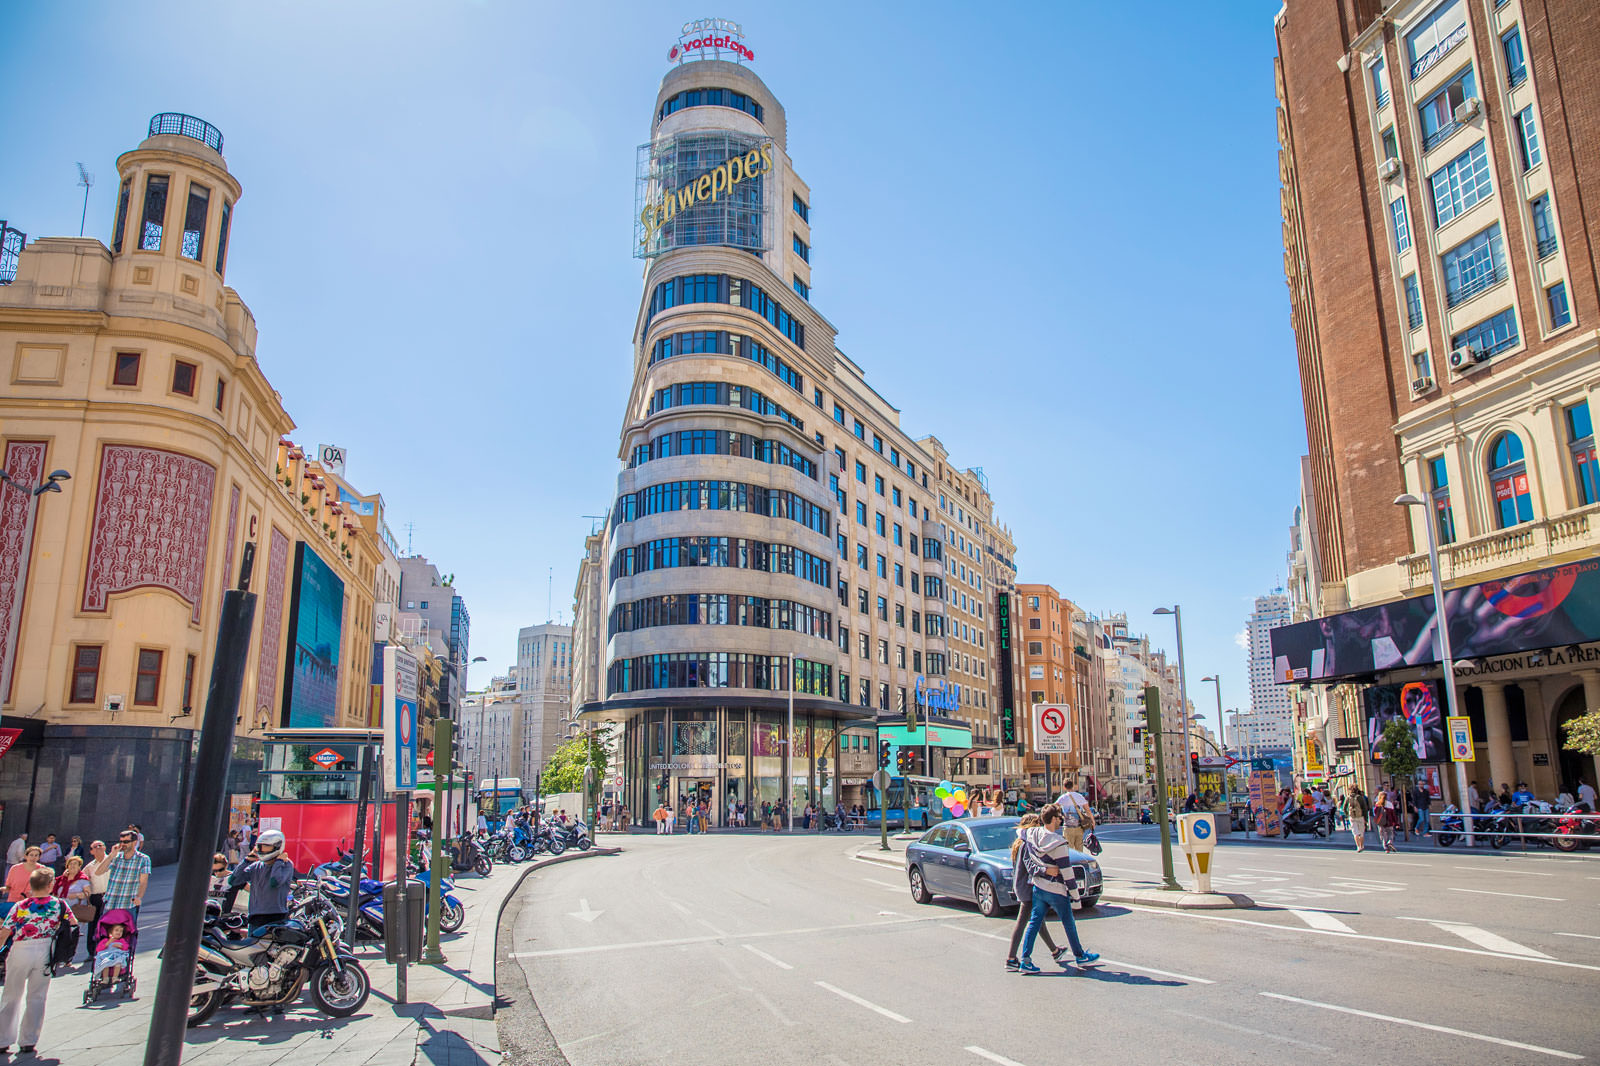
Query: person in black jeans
{"x": 1024, "y": 893}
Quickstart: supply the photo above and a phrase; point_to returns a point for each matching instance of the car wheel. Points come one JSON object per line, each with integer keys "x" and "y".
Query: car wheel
{"x": 988, "y": 899}
{"x": 1089, "y": 903}
{"x": 919, "y": 890}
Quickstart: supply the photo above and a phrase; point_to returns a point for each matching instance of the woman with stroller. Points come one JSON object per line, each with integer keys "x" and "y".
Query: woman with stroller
{"x": 33, "y": 922}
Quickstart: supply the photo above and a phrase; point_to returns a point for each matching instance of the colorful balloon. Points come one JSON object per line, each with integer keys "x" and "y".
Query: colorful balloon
{"x": 959, "y": 810}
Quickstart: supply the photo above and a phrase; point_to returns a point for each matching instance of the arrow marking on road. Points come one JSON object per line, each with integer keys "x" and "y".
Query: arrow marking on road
{"x": 1425, "y": 1025}
{"x": 583, "y": 913}
{"x": 1321, "y": 920}
{"x": 1482, "y": 937}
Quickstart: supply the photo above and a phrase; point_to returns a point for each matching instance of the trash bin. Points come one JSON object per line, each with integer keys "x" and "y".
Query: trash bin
{"x": 415, "y": 900}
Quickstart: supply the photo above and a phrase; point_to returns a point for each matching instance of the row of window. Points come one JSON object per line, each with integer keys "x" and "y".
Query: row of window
{"x": 84, "y": 686}
{"x": 712, "y": 98}
{"x": 860, "y": 431}
{"x": 670, "y": 552}
{"x": 724, "y": 289}
{"x": 720, "y": 609}
{"x": 718, "y": 670}
{"x": 719, "y": 442}
{"x": 936, "y": 622}
{"x": 721, "y": 342}
{"x": 722, "y": 496}
{"x": 1507, "y": 476}
{"x": 153, "y": 220}
{"x": 723, "y": 394}
{"x": 125, "y": 367}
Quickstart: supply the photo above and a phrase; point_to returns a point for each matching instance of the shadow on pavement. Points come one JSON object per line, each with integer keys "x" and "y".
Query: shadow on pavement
{"x": 1115, "y": 977}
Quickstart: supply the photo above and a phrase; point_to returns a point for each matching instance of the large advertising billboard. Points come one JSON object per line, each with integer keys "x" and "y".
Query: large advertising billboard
{"x": 316, "y": 623}
{"x": 1547, "y": 608}
{"x": 705, "y": 187}
{"x": 1418, "y": 704}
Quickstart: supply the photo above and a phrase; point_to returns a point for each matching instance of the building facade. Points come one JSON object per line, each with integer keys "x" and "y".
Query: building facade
{"x": 1444, "y": 296}
{"x": 774, "y": 531}
{"x": 544, "y": 682}
{"x": 133, "y": 366}
{"x": 431, "y": 612}
{"x": 1268, "y": 725}
{"x": 490, "y": 731}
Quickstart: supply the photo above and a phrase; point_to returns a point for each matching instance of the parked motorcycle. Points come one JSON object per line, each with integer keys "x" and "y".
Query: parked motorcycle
{"x": 1300, "y": 820}
{"x": 465, "y": 854}
{"x": 575, "y": 835}
{"x": 272, "y": 969}
{"x": 1450, "y": 826}
{"x": 1572, "y": 826}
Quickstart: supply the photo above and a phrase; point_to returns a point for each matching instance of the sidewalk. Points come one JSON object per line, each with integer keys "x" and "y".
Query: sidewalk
{"x": 448, "y": 1019}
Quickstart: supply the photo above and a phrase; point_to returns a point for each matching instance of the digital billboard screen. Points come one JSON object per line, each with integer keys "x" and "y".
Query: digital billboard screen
{"x": 1418, "y": 704}
{"x": 316, "y": 622}
{"x": 1547, "y": 608}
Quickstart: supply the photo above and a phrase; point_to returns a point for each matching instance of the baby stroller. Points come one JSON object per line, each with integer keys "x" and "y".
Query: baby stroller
{"x": 125, "y": 986}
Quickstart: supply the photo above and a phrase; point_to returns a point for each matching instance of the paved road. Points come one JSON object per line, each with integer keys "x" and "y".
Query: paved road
{"x": 749, "y": 949}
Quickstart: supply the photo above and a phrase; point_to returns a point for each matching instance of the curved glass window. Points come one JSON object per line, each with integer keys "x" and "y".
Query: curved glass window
{"x": 713, "y": 669}
{"x": 1508, "y": 481}
{"x": 721, "y": 288}
{"x": 712, "y": 98}
{"x": 721, "y": 342}
{"x": 690, "y": 393}
{"x": 718, "y": 442}
{"x": 720, "y": 609}
{"x": 722, "y": 496}
{"x": 670, "y": 552}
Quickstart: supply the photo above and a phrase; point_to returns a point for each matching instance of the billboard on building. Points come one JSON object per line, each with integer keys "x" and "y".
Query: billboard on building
{"x": 1546, "y": 608}
{"x": 316, "y": 624}
{"x": 707, "y": 187}
{"x": 1418, "y": 704}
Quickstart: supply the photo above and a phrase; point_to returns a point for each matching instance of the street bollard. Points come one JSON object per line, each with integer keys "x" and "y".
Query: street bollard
{"x": 1197, "y": 839}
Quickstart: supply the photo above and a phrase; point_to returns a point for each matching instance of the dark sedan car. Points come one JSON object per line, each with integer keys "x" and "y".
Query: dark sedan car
{"x": 970, "y": 858}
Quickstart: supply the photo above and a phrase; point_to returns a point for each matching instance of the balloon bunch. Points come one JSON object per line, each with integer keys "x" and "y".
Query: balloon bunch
{"x": 953, "y": 796}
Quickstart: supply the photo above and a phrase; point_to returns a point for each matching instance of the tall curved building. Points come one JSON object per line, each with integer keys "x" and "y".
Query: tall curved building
{"x": 772, "y": 527}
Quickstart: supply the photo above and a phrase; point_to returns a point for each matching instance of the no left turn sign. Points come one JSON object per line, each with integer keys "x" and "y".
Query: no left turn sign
{"x": 1052, "y": 729}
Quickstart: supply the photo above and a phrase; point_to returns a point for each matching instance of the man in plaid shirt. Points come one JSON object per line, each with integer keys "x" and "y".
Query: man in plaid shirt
{"x": 128, "y": 876}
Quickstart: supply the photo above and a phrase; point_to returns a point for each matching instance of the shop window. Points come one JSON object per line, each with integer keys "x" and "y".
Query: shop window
{"x": 147, "y": 679}
{"x": 1508, "y": 482}
{"x": 85, "y": 673}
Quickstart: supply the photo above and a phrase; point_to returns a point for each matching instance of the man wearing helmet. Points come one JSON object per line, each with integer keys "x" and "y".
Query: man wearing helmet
{"x": 269, "y": 876}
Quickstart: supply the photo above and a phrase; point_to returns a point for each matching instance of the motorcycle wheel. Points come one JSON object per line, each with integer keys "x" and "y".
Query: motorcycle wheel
{"x": 1497, "y": 842}
{"x": 517, "y": 853}
{"x": 483, "y": 866}
{"x": 202, "y": 1005}
{"x": 452, "y": 916}
{"x": 1445, "y": 839}
{"x": 341, "y": 996}
{"x": 1563, "y": 843}
{"x": 584, "y": 844}
{"x": 556, "y": 847}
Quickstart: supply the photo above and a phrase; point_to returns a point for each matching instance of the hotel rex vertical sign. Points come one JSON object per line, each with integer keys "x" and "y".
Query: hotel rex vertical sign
{"x": 1008, "y": 717}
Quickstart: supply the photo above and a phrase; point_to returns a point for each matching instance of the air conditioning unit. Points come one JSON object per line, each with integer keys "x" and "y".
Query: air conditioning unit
{"x": 1468, "y": 109}
{"x": 1389, "y": 169}
{"x": 1466, "y": 360}
{"x": 1421, "y": 385}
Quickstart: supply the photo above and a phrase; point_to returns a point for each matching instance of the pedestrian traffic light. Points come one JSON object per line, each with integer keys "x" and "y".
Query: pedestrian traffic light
{"x": 883, "y": 755}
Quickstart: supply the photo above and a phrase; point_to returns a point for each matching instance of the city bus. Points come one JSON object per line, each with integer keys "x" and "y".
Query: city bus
{"x": 921, "y": 813}
{"x": 497, "y": 796}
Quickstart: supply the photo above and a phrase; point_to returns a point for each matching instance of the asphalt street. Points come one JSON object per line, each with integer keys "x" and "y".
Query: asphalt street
{"x": 748, "y": 949}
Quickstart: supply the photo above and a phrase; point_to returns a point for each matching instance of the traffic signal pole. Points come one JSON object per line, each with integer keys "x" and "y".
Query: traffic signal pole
{"x": 1152, "y": 707}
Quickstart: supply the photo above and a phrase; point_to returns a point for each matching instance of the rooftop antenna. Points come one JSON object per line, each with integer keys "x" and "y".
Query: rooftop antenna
{"x": 85, "y": 179}
{"x": 549, "y": 593}
{"x": 410, "y": 527}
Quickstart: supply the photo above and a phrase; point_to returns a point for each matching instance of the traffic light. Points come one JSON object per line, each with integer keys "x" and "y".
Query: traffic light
{"x": 1138, "y": 735}
{"x": 883, "y": 755}
{"x": 903, "y": 761}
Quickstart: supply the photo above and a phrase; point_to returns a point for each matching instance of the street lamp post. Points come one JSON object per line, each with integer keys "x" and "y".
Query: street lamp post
{"x": 31, "y": 515}
{"x": 1176, "y": 611}
{"x": 1441, "y": 622}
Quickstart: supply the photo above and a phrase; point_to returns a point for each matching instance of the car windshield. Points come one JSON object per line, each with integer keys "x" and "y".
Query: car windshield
{"x": 993, "y": 837}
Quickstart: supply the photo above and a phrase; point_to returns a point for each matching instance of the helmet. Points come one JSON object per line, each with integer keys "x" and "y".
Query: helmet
{"x": 269, "y": 844}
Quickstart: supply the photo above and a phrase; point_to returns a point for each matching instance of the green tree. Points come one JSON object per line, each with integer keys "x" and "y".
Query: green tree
{"x": 1398, "y": 746}
{"x": 564, "y": 771}
{"x": 1583, "y": 733}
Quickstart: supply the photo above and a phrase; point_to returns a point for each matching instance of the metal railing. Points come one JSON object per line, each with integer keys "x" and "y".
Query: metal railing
{"x": 1501, "y": 828}
{"x": 1518, "y": 76}
{"x": 1440, "y": 135}
{"x": 1547, "y": 246}
{"x": 172, "y": 122}
{"x": 11, "y": 242}
{"x": 1468, "y": 289}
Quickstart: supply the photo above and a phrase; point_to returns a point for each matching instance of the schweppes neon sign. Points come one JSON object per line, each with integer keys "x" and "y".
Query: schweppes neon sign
{"x": 707, "y": 188}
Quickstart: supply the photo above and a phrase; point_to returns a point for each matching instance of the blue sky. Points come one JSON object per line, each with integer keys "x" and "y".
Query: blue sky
{"x": 1050, "y": 236}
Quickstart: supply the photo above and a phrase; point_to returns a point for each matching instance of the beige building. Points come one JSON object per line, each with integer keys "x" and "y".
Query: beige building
{"x": 544, "y": 691}
{"x": 133, "y": 366}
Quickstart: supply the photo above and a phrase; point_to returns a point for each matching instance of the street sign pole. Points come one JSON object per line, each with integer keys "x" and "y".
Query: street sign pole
{"x": 881, "y": 781}
{"x": 1152, "y": 706}
{"x": 442, "y": 750}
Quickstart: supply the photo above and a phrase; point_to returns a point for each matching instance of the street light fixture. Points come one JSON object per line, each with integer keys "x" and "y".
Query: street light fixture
{"x": 1441, "y": 625}
{"x": 1176, "y": 611}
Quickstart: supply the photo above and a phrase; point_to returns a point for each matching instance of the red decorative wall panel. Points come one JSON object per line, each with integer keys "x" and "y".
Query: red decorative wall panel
{"x": 24, "y": 460}
{"x": 267, "y": 671}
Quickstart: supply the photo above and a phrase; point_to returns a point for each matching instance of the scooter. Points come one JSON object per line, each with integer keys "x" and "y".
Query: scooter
{"x": 465, "y": 854}
{"x": 1300, "y": 820}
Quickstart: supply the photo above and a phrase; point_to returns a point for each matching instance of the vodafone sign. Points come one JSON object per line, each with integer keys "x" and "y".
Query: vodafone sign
{"x": 713, "y": 36}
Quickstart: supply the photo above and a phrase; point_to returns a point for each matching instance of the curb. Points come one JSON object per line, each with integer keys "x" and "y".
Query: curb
{"x": 1182, "y": 901}
{"x": 880, "y": 859}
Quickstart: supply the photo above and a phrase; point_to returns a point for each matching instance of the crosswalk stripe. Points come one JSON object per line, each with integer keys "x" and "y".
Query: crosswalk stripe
{"x": 1482, "y": 937}
{"x": 1321, "y": 920}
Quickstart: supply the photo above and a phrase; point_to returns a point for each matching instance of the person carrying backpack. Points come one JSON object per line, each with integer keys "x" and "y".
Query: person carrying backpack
{"x": 1357, "y": 808}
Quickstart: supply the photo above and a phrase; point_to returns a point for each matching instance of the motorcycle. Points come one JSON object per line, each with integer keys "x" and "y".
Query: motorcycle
{"x": 271, "y": 970}
{"x": 1572, "y": 827}
{"x": 575, "y": 835}
{"x": 1300, "y": 820}
{"x": 1450, "y": 826}
{"x": 465, "y": 854}
{"x": 548, "y": 838}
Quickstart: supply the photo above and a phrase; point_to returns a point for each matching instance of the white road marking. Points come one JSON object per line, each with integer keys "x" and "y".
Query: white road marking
{"x": 1321, "y": 920}
{"x": 1484, "y": 939}
{"x": 890, "y": 914}
{"x": 1198, "y": 916}
{"x": 1504, "y": 870}
{"x": 583, "y": 913}
{"x": 1265, "y": 870}
{"x": 682, "y": 940}
{"x": 885, "y": 884}
{"x": 1513, "y": 895}
{"x": 711, "y": 927}
{"x": 1000, "y": 1060}
{"x": 1585, "y": 936}
{"x": 858, "y": 1001}
{"x": 1103, "y": 961}
{"x": 758, "y": 953}
{"x": 1426, "y": 1025}
{"x": 1394, "y": 862}
{"x": 1247, "y": 1029}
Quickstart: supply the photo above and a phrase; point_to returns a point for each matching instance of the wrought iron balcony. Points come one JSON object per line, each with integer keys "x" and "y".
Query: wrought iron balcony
{"x": 171, "y": 122}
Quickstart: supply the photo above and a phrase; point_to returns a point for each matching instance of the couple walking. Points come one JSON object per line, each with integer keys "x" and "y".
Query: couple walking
{"x": 1044, "y": 880}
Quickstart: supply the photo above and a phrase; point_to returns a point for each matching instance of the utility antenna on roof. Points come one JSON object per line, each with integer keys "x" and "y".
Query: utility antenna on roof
{"x": 85, "y": 179}
{"x": 410, "y": 527}
{"x": 549, "y": 593}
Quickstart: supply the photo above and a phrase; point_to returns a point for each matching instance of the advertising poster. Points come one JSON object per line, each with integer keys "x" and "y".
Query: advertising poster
{"x": 1418, "y": 704}
{"x": 1264, "y": 798}
{"x": 1550, "y": 608}
{"x": 1316, "y": 761}
{"x": 316, "y": 623}
{"x": 239, "y": 807}
{"x": 1430, "y": 781}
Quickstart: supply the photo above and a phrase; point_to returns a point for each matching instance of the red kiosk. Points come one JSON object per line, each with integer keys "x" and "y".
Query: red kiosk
{"x": 310, "y": 788}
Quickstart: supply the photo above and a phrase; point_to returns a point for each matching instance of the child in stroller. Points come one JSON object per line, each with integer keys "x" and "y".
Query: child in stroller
{"x": 116, "y": 938}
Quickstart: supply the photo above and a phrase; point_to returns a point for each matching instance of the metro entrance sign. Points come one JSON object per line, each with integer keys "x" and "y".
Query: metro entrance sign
{"x": 400, "y": 676}
{"x": 1052, "y": 729}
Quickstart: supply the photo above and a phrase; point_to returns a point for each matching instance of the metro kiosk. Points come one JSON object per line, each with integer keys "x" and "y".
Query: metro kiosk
{"x": 310, "y": 782}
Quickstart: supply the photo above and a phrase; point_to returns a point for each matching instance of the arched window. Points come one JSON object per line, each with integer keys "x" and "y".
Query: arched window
{"x": 1508, "y": 481}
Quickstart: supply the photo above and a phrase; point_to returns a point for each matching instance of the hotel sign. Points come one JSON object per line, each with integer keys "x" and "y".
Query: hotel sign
{"x": 1008, "y": 718}
{"x": 705, "y": 188}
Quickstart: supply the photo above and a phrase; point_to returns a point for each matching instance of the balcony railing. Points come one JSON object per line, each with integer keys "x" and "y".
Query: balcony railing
{"x": 171, "y": 122}
{"x": 1518, "y": 76}
{"x": 1383, "y": 100}
{"x": 1528, "y": 543}
{"x": 1472, "y": 287}
{"x": 1547, "y": 246}
{"x": 1439, "y": 136}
